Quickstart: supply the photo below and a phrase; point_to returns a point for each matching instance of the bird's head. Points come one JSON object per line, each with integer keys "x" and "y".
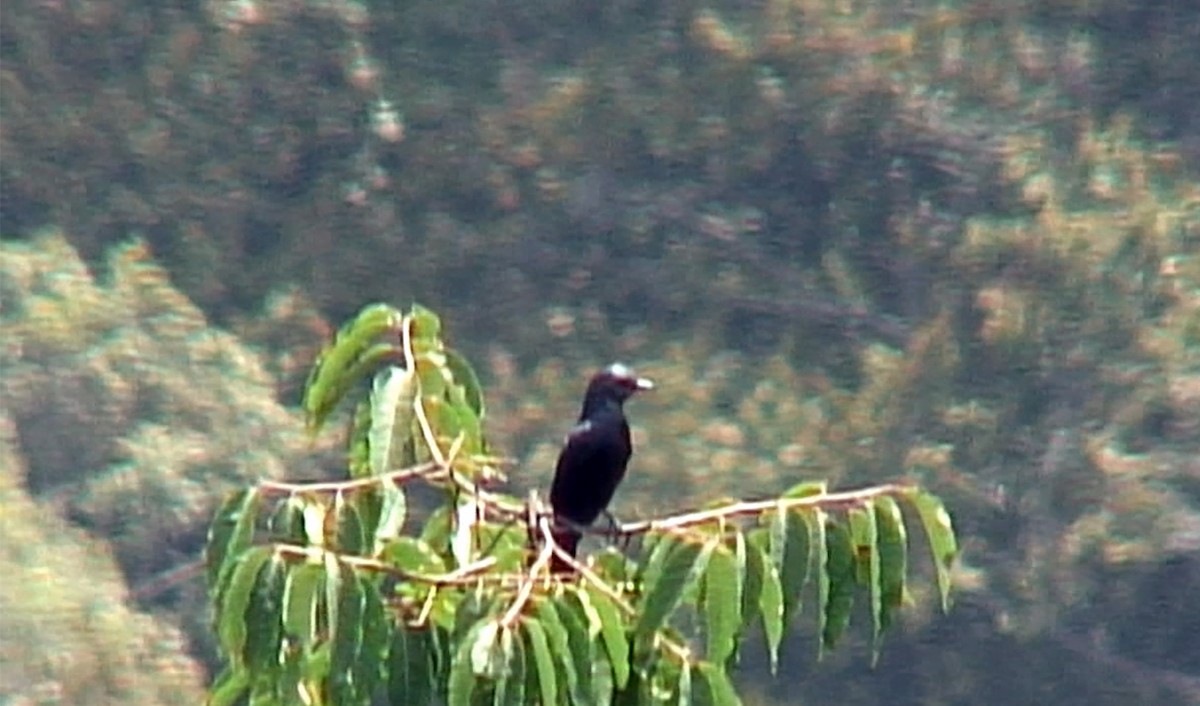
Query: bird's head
{"x": 617, "y": 382}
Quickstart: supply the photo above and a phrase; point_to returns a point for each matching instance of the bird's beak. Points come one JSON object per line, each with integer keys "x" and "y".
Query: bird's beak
{"x": 645, "y": 384}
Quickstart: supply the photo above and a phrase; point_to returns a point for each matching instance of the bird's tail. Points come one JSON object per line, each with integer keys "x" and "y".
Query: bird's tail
{"x": 568, "y": 539}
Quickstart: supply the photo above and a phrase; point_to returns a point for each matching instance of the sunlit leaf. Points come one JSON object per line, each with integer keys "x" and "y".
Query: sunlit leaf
{"x": 940, "y": 532}
{"x": 683, "y": 691}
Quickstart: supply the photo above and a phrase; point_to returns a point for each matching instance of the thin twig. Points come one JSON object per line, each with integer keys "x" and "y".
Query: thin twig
{"x": 535, "y": 570}
{"x": 849, "y": 498}
{"x": 335, "y": 486}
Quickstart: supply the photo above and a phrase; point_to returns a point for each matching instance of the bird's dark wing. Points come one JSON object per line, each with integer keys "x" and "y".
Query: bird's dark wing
{"x": 590, "y": 467}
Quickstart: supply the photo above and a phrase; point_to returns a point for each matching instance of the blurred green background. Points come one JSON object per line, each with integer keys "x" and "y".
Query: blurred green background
{"x": 951, "y": 241}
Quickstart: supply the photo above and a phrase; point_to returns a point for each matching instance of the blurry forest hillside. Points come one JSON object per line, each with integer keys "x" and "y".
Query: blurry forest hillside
{"x": 953, "y": 241}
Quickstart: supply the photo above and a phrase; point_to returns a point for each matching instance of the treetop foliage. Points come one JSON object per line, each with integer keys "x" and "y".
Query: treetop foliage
{"x": 325, "y": 593}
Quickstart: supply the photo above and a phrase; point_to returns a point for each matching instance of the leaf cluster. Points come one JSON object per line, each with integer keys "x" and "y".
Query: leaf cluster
{"x": 321, "y": 596}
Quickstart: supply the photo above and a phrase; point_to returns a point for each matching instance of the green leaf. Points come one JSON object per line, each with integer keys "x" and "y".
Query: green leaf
{"x": 462, "y": 675}
{"x": 333, "y": 590}
{"x": 510, "y": 687}
{"x": 560, "y": 645}
{"x": 683, "y": 566}
{"x": 486, "y": 656}
{"x": 940, "y": 531}
{"x": 301, "y": 601}
{"x": 893, "y": 557}
{"x": 228, "y": 687}
{"x": 264, "y": 618}
{"x": 718, "y": 689}
{"x": 287, "y": 521}
{"x": 233, "y": 600}
{"x": 351, "y": 539}
{"x": 546, "y": 674}
{"x": 839, "y": 548}
{"x": 392, "y": 393}
{"x": 345, "y": 361}
{"x": 230, "y": 533}
{"x": 465, "y": 376}
{"x": 612, "y": 631}
{"x": 722, "y": 604}
{"x": 391, "y": 515}
{"x": 770, "y": 597}
{"x": 806, "y": 489}
{"x": 581, "y": 646}
{"x": 865, "y": 534}
{"x": 411, "y": 671}
{"x": 683, "y": 690}
{"x": 817, "y": 521}
{"x": 791, "y": 552}
{"x": 344, "y": 688}
{"x": 413, "y": 555}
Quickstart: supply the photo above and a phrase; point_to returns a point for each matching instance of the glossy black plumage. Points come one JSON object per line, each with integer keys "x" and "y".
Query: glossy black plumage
{"x": 593, "y": 460}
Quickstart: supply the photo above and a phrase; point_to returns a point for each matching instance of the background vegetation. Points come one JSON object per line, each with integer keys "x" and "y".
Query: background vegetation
{"x": 955, "y": 241}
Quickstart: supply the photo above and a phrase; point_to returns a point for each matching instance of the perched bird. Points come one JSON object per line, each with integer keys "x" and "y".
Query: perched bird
{"x": 592, "y": 462}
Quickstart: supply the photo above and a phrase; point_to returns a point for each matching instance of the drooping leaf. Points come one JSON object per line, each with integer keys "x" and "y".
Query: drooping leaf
{"x": 770, "y": 595}
{"x": 864, "y": 532}
{"x": 893, "y": 557}
{"x": 287, "y": 521}
{"x": 939, "y": 530}
{"x": 351, "y": 539}
{"x": 264, "y": 618}
{"x": 817, "y": 522}
{"x": 347, "y": 359}
{"x": 230, "y": 533}
{"x": 539, "y": 648}
{"x": 510, "y": 684}
{"x": 486, "y": 655}
{"x": 718, "y": 689}
{"x": 790, "y": 551}
{"x": 411, "y": 672}
{"x": 612, "y": 632}
{"x": 683, "y": 690}
{"x": 842, "y": 571}
{"x": 346, "y": 640}
{"x": 392, "y": 392}
{"x": 465, "y": 376}
{"x": 228, "y": 687}
{"x": 683, "y": 566}
{"x": 462, "y": 674}
{"x": 556, "y": 636}
{"x": 233, "y": 599}
{"x": 722, "y": 604}
{"x": 301, "y": 600}
{"x": 581, "y": 646}
{"x": 391, "y": 515}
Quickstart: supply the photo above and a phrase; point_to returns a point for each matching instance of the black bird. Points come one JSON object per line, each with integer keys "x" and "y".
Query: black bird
{"x": 592, "y": 462}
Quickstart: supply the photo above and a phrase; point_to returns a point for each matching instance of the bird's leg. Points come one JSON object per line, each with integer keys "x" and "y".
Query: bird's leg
{"x": 616, "y": 531}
